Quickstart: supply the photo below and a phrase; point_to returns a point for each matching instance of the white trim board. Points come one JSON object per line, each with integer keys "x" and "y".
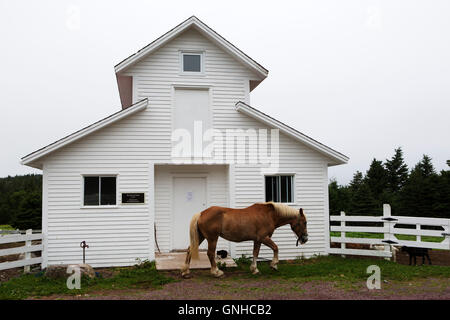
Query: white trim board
{"x": 30, "y": 158}
{"x": 336, "y": 157}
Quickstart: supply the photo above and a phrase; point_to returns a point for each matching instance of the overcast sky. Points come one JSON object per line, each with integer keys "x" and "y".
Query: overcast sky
{"x": 362, "y": 77}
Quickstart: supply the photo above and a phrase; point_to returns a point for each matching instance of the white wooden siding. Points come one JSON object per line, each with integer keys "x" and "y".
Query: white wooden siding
{"x": 117, "y": 236}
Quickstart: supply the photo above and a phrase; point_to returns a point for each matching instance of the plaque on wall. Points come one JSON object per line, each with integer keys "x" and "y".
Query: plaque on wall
{"x": 133, "y": 198}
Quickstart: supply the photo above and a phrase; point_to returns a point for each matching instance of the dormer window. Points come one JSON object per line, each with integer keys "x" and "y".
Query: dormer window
{"x": 192, "y": 62}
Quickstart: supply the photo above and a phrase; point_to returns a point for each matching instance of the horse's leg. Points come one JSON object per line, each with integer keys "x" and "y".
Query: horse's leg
{"x": 268, "y": 242}
{"x": 212, "y": 258}
{"x": 256, "y": 246}
{"x": 185, "y": 269}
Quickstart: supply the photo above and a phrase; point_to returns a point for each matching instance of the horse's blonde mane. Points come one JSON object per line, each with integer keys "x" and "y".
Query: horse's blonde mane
{"x": 284, "y": 210}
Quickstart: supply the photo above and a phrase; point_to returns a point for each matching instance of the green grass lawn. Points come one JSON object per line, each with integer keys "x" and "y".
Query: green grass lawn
{"x": 344, "y": 272}
{"x": 139, "y": 276}
{"x": 380, "y": 236}
{"x": 336, "y": 268}
{"x": 6, "y": 227}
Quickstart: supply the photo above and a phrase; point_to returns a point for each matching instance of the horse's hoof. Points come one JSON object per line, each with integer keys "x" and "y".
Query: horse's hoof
{"x": 186, "y": 274}
{"x": 256, "y": 271}
{"x": 218, "y": 273}
{"x": 274, "y": 267}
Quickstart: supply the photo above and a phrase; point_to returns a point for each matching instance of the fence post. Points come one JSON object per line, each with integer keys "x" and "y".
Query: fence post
{"x": 26, "y": 269}
{"x": 448, "y": 237}
{"x": 343, "y": 233}
{"x": 387, "y": 234}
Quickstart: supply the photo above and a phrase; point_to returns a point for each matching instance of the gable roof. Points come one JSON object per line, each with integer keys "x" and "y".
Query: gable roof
{"x": 335, "y": 156}
{"x": 206, "y": 31}
{"x": 31, "y": 158}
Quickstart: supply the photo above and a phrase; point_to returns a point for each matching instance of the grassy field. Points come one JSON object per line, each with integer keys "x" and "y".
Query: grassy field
{"x": 6, "y": 227}
{"x": 29, "y": 285}
{"x": 343, "y": 273}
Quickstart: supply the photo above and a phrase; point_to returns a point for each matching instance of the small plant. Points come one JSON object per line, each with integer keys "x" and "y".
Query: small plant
{"x": 221, "y": 265}
{"x": 243, "y": 260}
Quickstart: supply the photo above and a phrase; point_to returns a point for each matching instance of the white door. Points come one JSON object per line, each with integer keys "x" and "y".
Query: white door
{"x": 192, "y": 115}
{"x": 191, "y": 105}
{"x": 189, "y": 197}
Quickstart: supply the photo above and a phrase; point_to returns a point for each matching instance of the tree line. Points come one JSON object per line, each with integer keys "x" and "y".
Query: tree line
{"x": 21, "y": 201}
{"x": 420, "y": 191}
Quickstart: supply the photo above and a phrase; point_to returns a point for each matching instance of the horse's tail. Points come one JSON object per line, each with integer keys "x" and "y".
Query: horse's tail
{"x": 194, "y": 236}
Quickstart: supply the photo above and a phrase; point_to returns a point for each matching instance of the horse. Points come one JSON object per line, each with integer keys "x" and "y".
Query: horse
{"x": 256, "y": 222}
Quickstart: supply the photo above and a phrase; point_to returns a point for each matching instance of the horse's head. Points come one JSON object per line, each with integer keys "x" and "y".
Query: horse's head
{"x": 299, "y": 228}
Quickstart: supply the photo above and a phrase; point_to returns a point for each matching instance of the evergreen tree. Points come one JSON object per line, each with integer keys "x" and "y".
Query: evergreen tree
{"x": 376, "y": 179}
{"x": 357, "y": 180}
{"x": 339, "y": 197}
{"x": 397, "y": 171}
{"x": 425, "y": 167}
{"x": 441, "y": 205}
{"x": 29, "y": 214}
{"x": 13, "y": 190}
{"x": 362, "y": 201}
{"x": 419, "y": 193}
{"x": 423, "y": 192}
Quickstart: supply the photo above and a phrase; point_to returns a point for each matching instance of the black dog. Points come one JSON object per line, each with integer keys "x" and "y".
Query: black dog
{"x": 416, "y": 252}
{"x": 222, "y": 253}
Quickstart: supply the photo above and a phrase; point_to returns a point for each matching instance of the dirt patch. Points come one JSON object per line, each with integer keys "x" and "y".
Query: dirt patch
{"x": 438, "y": 258}
{"x": 202, "y": 287}
{"x": 6, "y": 275}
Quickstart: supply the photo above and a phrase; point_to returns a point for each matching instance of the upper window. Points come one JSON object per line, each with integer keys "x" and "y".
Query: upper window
{"x": 99, "y": 190}
{"x": 192, "y": 62}
{"x": 279, "y": 188}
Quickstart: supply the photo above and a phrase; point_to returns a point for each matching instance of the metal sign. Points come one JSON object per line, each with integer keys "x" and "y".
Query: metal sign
{"x": 133, "y": 198}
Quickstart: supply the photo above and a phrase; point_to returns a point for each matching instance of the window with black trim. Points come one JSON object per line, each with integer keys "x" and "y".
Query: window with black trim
{"x": 100, "y": 190}
{"x": 192, "y": 62}
{"x": 279, "y": 188}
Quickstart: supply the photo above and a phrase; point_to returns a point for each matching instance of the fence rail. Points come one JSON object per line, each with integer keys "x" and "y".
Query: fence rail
{"x": 27, "y": 249}
{"x": 391, "y": 227}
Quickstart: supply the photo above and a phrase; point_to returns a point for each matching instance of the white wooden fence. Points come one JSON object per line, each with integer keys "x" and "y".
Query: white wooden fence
{"x": 391, "y": 228}
{"x": 27, "y": 249}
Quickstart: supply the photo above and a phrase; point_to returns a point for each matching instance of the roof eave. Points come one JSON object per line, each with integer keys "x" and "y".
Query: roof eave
{"x": 336, "y": 157}
{"x": 30, "y": 159}
{"x": 209, "y": 32}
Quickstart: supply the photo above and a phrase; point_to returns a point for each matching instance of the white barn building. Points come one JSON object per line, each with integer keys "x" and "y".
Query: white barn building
{"x": 185, "y": 139}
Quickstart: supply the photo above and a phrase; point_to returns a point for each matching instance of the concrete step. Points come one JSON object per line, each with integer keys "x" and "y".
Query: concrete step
{"x": 175, "y": 260}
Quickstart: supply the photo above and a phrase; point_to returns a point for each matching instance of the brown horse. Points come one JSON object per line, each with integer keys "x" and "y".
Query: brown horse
{"x": 257, "y": 223}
